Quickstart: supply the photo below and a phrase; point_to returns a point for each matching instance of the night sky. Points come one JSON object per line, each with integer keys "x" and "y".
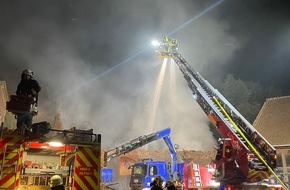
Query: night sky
{"x": 95, "y": 64}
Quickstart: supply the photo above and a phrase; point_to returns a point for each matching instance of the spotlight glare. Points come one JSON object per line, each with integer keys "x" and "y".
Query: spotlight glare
{"x": 155, "y": 43}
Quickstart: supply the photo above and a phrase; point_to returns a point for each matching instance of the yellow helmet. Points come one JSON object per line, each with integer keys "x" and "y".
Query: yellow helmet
{"x": 27, "y": 72}
{"x": 55, "y": 180}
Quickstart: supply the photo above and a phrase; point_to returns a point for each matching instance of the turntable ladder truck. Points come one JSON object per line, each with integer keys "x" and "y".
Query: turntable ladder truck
{"x": 246, "y": 156}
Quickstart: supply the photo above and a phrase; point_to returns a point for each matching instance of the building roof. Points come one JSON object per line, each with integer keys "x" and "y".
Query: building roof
{"x": 273, "y": 120}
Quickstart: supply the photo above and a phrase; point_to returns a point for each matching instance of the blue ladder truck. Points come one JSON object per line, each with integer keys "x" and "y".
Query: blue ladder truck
{"x": 246, "y": 157}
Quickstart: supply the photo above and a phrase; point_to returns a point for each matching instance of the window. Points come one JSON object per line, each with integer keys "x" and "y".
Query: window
{"x": 139, "y": 170}
{"x": 279, "y": 160}
{"x": 153, "y": 170}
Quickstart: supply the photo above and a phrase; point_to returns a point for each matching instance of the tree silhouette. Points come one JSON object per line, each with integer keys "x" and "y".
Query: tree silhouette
{"x": 246, "y": 96}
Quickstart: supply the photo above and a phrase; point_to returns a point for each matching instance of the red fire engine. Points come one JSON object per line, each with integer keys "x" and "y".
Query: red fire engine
{"x": 79, "y": 155}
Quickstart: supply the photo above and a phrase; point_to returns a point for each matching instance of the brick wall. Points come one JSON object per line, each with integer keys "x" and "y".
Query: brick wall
{"x": 198, "y": 157}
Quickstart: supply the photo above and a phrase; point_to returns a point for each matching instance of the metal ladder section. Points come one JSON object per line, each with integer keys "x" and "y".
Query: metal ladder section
{"x": 213, "y": 101}
{"x": 9, "y": 158}
{"x": 197, "y": 176}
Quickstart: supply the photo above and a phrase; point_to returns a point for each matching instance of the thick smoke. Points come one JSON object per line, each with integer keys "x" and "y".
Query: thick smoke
{"x": 85, "y": 54}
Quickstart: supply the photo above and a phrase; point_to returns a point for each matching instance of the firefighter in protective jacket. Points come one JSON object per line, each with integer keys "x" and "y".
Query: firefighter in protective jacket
{"x": 157, "y": 183}
{"x": 28, "y": 87}
{"x": 56, "y": 183}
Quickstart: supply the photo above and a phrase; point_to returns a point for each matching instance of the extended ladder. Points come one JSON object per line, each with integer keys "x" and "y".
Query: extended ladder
{"x": 215, "y": 105}
{"x": 229, "y": 122}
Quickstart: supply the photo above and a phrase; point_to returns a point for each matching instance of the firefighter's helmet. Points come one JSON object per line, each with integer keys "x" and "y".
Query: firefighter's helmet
{"x": 27, "y": 72}
{"x": 169, "y": 183}
{"x": 55, "y": 180}
{"x": 158, "y": 178}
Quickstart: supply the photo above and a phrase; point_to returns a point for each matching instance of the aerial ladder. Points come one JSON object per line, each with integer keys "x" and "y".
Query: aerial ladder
{"x": 245, "y": 155}
{"x": 141, "y": 141}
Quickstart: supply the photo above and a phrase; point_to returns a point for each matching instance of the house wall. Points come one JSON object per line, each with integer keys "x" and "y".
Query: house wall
{"x": 3, "y": 100}
{"x": 283, "y": 163}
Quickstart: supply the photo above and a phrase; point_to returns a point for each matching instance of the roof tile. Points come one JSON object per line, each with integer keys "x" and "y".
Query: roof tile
{"x": 273, "y": 120}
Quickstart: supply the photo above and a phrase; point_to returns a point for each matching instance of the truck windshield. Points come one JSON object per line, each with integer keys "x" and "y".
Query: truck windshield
{"x": 139, "y": 170}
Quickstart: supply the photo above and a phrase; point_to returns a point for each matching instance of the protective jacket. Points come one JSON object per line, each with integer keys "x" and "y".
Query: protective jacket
{"x": 59, "y": 187}
{"x": 155, "y": 187}
{"x": 28, "y": 87}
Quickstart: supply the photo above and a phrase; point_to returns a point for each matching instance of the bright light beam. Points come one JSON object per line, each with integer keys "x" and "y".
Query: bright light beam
{"x": 145, "y": 48}
{"x": 196, "y": 17}
{"x": 106, "y": 72}
{"x": 156, "y": 98}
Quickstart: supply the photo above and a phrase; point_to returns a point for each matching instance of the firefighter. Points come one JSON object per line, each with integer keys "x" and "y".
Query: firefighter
{"x": 166, "y": 39}
{"x": 28, "y": 87}
{"x": 219, "y": 153}
{"x": 56, "y": 183}
{"x": 165, "y": 44}
{"x": 157, "y": 183}
{"x": 174, "y": 45}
